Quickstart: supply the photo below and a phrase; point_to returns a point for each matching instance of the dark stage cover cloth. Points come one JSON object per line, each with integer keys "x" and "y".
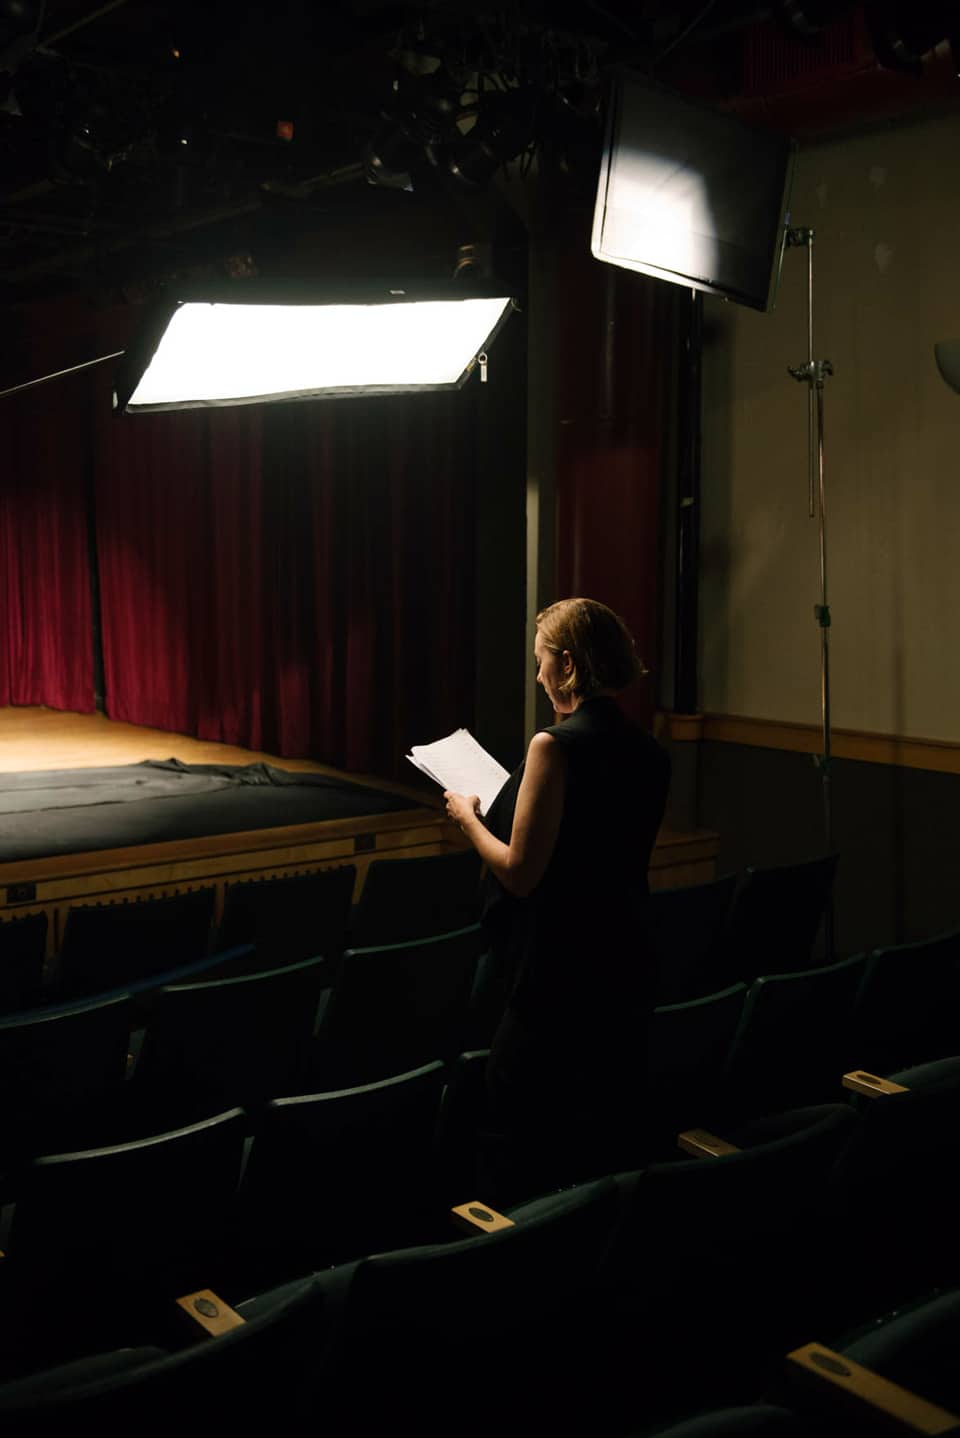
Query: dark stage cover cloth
{"x": 71, "y": 811}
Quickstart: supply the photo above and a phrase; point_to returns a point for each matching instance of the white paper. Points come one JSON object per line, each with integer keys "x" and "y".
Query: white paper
{"x": 461, "y": 764}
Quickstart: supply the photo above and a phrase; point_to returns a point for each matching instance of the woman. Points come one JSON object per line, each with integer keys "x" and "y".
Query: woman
{"x": 566, "y": 844}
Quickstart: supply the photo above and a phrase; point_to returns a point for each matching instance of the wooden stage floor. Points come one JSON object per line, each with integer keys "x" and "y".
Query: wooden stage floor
{"x": 33, "y": 739}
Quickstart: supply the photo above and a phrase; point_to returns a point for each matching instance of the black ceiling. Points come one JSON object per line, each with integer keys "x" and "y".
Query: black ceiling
{"x": 140, "y": 139}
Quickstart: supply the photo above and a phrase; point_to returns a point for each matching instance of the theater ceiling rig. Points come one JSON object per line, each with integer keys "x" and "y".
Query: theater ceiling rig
{"x": 149, "y": 140}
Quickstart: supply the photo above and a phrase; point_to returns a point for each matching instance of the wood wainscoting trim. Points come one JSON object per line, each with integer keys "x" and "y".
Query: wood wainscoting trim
{"x": 940, "y": 755}
{"x": 680, "y": 728}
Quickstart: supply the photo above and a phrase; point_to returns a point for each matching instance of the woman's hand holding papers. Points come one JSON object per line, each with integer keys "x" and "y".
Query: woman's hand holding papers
{"x": 462, "y": 808}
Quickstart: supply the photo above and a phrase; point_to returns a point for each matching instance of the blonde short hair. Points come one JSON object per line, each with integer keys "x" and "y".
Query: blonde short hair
{"x": 599, "y": 643}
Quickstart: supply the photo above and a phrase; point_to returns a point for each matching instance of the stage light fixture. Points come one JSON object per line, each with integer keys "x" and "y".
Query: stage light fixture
{"x": 690, "y": 195}
{"x": 20, "y": 22}
{"x": 504, "y": 127}
{"x": 904, "y": 31}
{"x": 253, "y": 343}
{"x": 805, "y": 19}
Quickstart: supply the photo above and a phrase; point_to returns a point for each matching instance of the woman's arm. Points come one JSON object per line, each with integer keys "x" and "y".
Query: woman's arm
{"x": 521, "y": 864}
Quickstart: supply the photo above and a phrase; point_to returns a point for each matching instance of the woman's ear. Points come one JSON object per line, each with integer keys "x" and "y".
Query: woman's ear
{"x": 566, "y": 661}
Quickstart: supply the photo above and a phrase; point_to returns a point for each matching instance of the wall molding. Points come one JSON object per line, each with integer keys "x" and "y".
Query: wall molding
{"x": 899, "y": 750}
{"x": 682, "y": 728}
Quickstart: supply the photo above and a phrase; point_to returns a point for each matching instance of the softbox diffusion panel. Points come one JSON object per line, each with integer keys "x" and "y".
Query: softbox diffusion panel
{"x": 691, "y": 195}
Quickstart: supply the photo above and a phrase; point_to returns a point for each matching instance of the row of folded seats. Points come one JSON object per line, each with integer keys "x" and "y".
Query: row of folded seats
{"x": 110, "y": 945}
{"x": 306, "y": 1265}
{"x": 704, "y": 937}
{"x": 226, "y": 1138}
{"x": 132, "y": 1061}
{"x": 202, "y": 1037}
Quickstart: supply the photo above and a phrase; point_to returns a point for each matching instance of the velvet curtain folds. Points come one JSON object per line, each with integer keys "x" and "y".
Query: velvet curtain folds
{"x": 46, "y": 647}
{"x": 295, "y": 578}
{"x": 616, "y": 350}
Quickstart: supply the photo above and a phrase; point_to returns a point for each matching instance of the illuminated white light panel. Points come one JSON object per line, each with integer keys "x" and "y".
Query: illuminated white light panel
{"x": 224, "y": 352}
{"x": 659, "y": 209}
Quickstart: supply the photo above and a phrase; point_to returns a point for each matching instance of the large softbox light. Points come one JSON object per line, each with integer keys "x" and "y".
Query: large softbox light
{"x": 254, "y": 343}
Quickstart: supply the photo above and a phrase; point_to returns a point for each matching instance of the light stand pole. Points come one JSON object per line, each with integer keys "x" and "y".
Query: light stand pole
{"x": 815, "y": 374}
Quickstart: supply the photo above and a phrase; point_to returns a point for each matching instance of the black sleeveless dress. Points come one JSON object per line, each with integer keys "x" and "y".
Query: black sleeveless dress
{"x": 567, "y": 1061}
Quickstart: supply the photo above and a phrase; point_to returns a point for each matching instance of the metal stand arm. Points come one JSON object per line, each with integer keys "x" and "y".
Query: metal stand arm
{"x": 815, "y": 374}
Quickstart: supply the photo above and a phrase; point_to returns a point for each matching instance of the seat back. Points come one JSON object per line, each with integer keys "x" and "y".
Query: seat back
{"x": 109, "y": 945}
{"x": 721, "y": 1206}
{"x": 714, "y": 1254}
{"x": 406, "y": 899}
{"x": 775, "y": 917}
{"x": 916, "y": 1349}
{"x": 908, "y": 1006}
{"x": 245, "y": 1376}
{"x": 23, "y": 943}
{"x": 397, "y": 1007}
{"x": 462, "y": 1117}
{"x": 332, "y": 1176}
{"x": 754, "y": 1420}
{"x": 149, "y": 1206}
{"x": 685, "y": 925}
{"x": 230, "y": 1040}
{"x": 59, "y": 1070}
{"x": 688, "y": 1045}
{"x": 895, "y": 1189}
{"x": 513, "y": 1301}
{"x": 289, "y": 919}
{"x": 793, "y": 1042}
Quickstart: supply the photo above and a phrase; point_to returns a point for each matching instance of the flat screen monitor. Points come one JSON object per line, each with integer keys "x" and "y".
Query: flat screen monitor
{"x": 691, "y": 195}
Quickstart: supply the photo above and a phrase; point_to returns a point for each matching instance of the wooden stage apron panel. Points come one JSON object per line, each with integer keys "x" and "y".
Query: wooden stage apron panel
{"x": 38, "y": 739}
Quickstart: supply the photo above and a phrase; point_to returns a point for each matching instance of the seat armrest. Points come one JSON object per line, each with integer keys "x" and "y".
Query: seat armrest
{"x": 859, "y": 1082}
{"x": 701, "y": 1144}
{"x": 478, "y": 1217}
{"x": 208, "y": 1312}
{"x": 867, "y": 1392}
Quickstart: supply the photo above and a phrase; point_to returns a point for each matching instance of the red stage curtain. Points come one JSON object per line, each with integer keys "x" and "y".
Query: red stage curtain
{"x": 614, "y": 389}
{"x": 46, "y": 649}
{"x": 295, "y": 578}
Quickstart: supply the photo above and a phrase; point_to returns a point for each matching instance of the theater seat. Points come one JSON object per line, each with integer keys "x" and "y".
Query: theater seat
{"x": 406, "y": 899}
{"x": 291, "y": 918}
{"x": 720, "y": 1254}
{"x": 916, "y": 1348}
{"x": 894, "y": 1190}
{"x": 685, "y": 926}
{"x": 461, "y": 1121}
{"x": 226, "y": 1041}
{"x": 477, "y": 1336}
{"x": 61, "y": 1074}
{"x": 688, "y": 1046}
{"x": 332, "y": 1176}
{"x": 760, "y": 1420}
{"x": 23, "y": 943}
{"x": 899, "y": 1374}
{"x": 241, "y": 1380}
{"x": 106, "y": 946}
{"x": 775, "y": 917}
{"x": 793, "y": 1038}
{"x": 98, "y": 1235}
{"x": 396, "y": 1007}
{"x": 908, "y": 1006}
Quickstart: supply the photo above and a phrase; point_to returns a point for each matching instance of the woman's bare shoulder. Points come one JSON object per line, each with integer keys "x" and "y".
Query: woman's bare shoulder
{"x": 544, "y": 750}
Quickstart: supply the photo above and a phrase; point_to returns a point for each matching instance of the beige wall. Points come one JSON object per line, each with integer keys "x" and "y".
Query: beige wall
{"x": 886, "y": 211}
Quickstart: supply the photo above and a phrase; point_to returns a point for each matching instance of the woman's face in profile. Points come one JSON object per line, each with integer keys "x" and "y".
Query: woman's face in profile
{"x": 552, "y": 668}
